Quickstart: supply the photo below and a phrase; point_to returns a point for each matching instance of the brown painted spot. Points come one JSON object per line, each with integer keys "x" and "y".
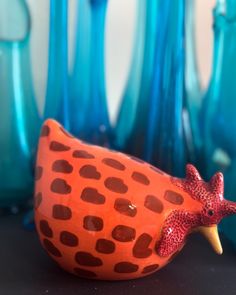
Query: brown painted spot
{"x": 125, "y": 207}
{"x": 62, "y": 166}
{"x": 113, "y": 163}
{"x": 173, "y": 197}
{"x": 38, "y": 172}
{"x": 66, "y": 133}
{"x": 153, "y": 203}
{"x": 45, "y": 131}
{"x": 125, "y": 267}
{"x": 141, "y": 249}
{"x": 123, "y": 233}
{"x": 141, "y": 178}
{"x": 89, "y": 171}
{"x": 150, "y": 268}
{"x": 60, "y": 186}
{"x": 82, "y": 154}
{"x": 91, "y": 195}
{"x": 51, "y": 248}
{"x": 105, "y": 246}
{"x": 87, "y": 259}
{"x": 61, "y": 212}
{"x": 157, "y": 170}
{"x": 38, "y": 200}
{"x": 69, "y": 239}
{"x": 93, "y": 223}
{"x": 84, "y": 273}
{"x": 116, "y": 185}
{"x": 58, "y": 147}
{"x": 137, "y": 159}
{"x": 45, "y": 229}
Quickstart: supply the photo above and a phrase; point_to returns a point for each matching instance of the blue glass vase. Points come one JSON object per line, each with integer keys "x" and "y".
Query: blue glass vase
{"x": 140, "y": 70}
{"x": 218, "y": 110}
{"x": 57, "y": 102}
{"x": 19, "y": 120}
{"x": 90, "y": 119}
{"x": 157, "y": 133}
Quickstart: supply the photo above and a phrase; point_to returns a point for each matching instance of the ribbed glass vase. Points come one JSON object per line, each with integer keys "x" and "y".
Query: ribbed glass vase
{"x": 157, "y": 133}
{"x": 89, "y": 116}
{"x": 218, "y": 111}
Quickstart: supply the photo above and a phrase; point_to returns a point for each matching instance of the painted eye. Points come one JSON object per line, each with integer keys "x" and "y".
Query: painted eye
{"x": 210, "y": 212}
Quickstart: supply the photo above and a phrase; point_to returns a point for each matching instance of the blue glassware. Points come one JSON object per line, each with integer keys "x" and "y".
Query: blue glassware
{"x": 157, "y": 134}
{"x": 57, "y": 102}
{"x": 140, "y": 69}
{"x": 94, "y": 126}
{"x": 218, "y": 110}
{"x": 19, "y": 120}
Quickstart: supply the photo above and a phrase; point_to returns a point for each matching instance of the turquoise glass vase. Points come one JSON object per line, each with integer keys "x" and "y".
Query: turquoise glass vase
{"x": 218, "y": 109}
{"x": 89, "y": 117}
{"x": 141, "y": 69}
{"x": 19, "y": 120}
{"x": 157, "y": 132}
{"x": 57, "y": 102}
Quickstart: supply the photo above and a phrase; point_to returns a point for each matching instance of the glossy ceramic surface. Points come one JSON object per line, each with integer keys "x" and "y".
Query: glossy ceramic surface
{"x": 106, "y": 215}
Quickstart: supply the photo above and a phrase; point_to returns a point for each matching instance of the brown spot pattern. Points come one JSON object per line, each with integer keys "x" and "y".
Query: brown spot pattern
{"x": 123, "y": 233}
{"x": 82, "y": 154}
{"x": 58, "y": 147}
{"x": 125, "y": 207}
{"x": 84, "y": 273}
{"x": 62, "y": 166}
{"x": 116, "y": 185}
{"x": 51, "y": 248}
{"x": 60, "y": 186}
{"x": 38, "y": 172}
{"x": 89, "y": 171}
{"x": 61, "y": 212}
{"x": 150, "y": 268}
{"x": 93, "y": 223}
{"x": 38, "y": 200}
{"x": 87, "y": 259}
{"x": 141, "y": 249}
{"x": 113, "y": 163}
{"x": 173, "y": 197}
{"x": 141, "y": 178}
{"x": 125, "y": 267}
{"x": 153, "y": 203}
{"x": 45, "y": 131}
{"x": 105, "y": 246}
{"x": 45, "y": 229}
{"x": 91, "y": 195}
{"x": 69, "y": 239}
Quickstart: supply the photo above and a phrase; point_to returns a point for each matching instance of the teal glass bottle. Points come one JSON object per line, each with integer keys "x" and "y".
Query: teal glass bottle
{"x": 157, "y": 133}
{"x": 57, "y": 102}
{"x": 140, "y": 69}
{"x": 218, "y": 110}
{"x": 91, "y": 121}
{"x": 19, "y": 120}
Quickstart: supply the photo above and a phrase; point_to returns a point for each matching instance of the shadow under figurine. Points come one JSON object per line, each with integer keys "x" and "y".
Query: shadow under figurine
{"x": 102, "y": 214}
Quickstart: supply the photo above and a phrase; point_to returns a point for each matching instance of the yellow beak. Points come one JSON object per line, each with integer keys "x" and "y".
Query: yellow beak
{"x": 211, "y": 234}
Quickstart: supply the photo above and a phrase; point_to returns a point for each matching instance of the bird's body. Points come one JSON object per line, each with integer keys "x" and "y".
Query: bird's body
{"x": 106, "y": 215}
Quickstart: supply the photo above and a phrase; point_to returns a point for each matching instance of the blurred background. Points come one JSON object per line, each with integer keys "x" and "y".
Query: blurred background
{"x": 120, "y": 30}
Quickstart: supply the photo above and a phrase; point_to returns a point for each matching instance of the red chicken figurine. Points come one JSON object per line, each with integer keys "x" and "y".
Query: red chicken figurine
{"x": 105, "y": 215}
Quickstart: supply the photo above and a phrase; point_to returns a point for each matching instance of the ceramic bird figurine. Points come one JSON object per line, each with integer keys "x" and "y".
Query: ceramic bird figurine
{"x": 102, "y": 214}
